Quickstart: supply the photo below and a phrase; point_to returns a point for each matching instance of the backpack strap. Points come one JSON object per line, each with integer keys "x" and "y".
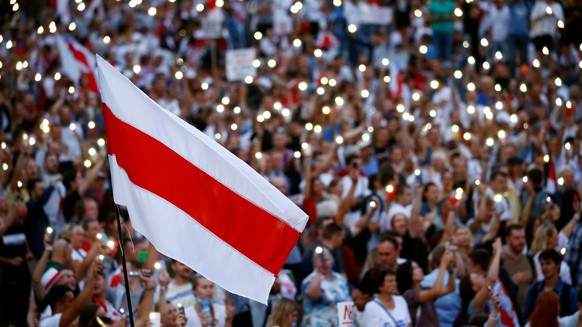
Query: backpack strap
{"x": 565, "y": 300}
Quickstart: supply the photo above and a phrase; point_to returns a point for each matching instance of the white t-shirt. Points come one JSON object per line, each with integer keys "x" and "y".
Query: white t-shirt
{"x": 52, "y": 321}
{"x": 375, "y": 313}
{"x": 194, "y": 320}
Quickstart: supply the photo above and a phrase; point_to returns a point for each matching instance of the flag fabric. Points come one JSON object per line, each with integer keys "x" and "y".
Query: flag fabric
{"x": 76, "y": 61}
{"x": 195, "y": 201}
{"x": 551, "y": 184}
{"x": 506, "y": 309}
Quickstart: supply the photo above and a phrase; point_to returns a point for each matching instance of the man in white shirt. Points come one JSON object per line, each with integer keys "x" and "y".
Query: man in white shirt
{"x": 64, "y": 305}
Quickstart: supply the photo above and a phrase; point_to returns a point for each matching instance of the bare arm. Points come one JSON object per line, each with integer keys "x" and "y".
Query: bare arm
{"x": 83, "y": 298}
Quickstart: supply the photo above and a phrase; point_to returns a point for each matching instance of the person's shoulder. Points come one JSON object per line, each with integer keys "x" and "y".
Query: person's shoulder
{"x": 52, "y": 321}
{"x": 372, "y": 306}
{"x": 399, "y": 299}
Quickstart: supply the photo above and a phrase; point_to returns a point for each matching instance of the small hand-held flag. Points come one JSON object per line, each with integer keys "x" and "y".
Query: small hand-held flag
{"x": 194, "y": 200}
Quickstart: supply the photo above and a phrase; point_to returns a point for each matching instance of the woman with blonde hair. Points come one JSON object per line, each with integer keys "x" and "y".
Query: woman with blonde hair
{"x": 546, "y": 312}
{"x": 546, "y": 237}
{"x": 284, "y": 314}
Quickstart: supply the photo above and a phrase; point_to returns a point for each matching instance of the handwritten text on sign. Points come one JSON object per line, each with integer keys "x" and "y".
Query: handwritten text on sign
{"x": 345, "y": 311}
{"x": 239, "y": 64}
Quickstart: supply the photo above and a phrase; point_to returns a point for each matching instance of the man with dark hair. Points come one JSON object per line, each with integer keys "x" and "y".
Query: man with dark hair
{"x": 87, "y": 207}
{"x": 534, "y": 197}
{"x": 64, "y": 305}
{"x": 37, "y": 220}
{"x": 331, "y": 238}
{"x": 518, "y": 265}
{"x": 550, "y": 261}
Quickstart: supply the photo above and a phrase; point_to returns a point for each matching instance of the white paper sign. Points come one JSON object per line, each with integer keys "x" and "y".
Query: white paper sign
{"x": 345, "y": 313}
{"x": 374, "y": 14}
{"x": 239, "y": 64}
{"x": 212, "y": 28}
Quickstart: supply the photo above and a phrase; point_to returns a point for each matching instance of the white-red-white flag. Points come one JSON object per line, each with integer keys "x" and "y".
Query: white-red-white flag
{"x": 77, "y": 60}
{"x": 194, "y": 200}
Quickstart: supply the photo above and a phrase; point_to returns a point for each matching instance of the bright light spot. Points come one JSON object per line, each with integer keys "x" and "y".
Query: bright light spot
{"x": 559, "y": 102}
{"x": 9, "y": 44}
{"x": 199, "y": 7}
{"x": 387, "y": 79}
{"x": 236, "y": 110}
{"x": 71, "y": 89}
{"x": 204, "y": 86}
{"x": 567, "y": 146}
{"x": 501, "y": 134}
{"x": 267, "y": 114}
{"x": 467, "y": 136}
{"x": 258, "y": 35}
{"x": 152, "y": 11}
{"x": 40, "y": 30}
{"x": 92, "y": 151}
{"x": 219, "y": 3}
{"x": 309, "y": 126}
{"x": 339, "y": 140}
{"x": 471, "y": 87}
{"x": 523, "y": 88}
{"x": 87, "y": 163}
{"x": 179, "y": 75}
{"x": 248, "y": 79}
{"x": 484, "y": 42}
{"x": 317, "y": 53}
{"x": 548, "y": 10}
{"x": 390, "y": 188}
{"x": 297, "y": 154}
{"x": 471, "y": 60}
{"x": 471, "y": 110}
{"x": 91, "y": 125}
{"x": 81, "y": 6}
{"x": 352, "y": 28}
{"x": 536, "y": 63}
{"x": 15, "y": 7}
{"x": 339, "y": 101}
{"x": 217, "y": 136}
{"x": 362, "y": 68}
{"x": 455, "y": 128}
{"x": 19, "y": 184}
{"x": 545, "y": 51}
{"x": 432, "y": 113}
{"x": 498, "y": 105}
{"x": 418, "y": 13}
{"x": 466, "y": 44}
{"x": 560, "y": 24}
{"x": 297, "y": 43}
{"x": 405, "y": 116}
{"x": 19, "y": 65}
{"x": 423, "y": 49}
{"x": 286, "y": 112}
{"x": 72, "y": 26}
{"x": 106, "y": 39}
{"x": 302, "y": 86}
{"x": 337, "y": 3}
{"x": 317, "y": 129}
{"x": 220, "y": 108}
{"x": 498, "y": 55}
{"x": 560, "y": 181}
{"x": 546, "y": 158}
{"x": 365, "y": 93}
{"x": 400, "y": 108}
{"x": 558, "y": 82}
{"x": 101, "y": 142}
{"x": 225, "y": 100}
{"x": 486, "y": 65}
{"x": 256, "y": 63}
{"x": 458, "y": 12}
{"x": 498, "y": 198}
{"x": 497, "y": 88}
{"x": 37, "y": 77}
{"x": 320, "y": 90}
{"x": 325, "y": 110}
{"x": 4, "y": 166}
{"x": 489, "y": 142}
{"x": 458, "y": 74}
{"x": 417, "y": 172}
{"x": 271, "y": 63}
{"x": 234, "y": 127}
{"x": 385, "y": 61}
{"x": 434, "y": 84}
{"x": 513, "y": 118}
{"x": 332, "y": 82}
{"x": 415, "y": 96}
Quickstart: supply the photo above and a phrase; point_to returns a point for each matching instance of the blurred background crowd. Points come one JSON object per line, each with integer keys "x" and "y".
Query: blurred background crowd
{"x": 435, "y": 146}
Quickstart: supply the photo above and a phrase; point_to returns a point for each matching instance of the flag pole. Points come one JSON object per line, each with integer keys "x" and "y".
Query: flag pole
{"x": 125, "y": 278}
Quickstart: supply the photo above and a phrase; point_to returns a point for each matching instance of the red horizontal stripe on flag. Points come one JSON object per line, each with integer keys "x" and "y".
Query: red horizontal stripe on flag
{"x": 151, "y": 165}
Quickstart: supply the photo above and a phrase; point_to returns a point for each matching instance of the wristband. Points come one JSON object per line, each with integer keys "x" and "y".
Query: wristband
{"x": 153, "y": 288}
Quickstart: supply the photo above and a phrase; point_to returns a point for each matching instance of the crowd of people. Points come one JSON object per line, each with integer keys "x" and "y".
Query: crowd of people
{"x": 435, "y": 146}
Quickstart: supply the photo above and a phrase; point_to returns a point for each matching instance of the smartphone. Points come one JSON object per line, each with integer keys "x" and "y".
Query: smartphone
{"x": 133, "y": 274}
{"x": 181, "y": 309}
{"x": 146, "y": 274}
{"x": 453, "y": 248}
{"x": 52, "y": 235}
